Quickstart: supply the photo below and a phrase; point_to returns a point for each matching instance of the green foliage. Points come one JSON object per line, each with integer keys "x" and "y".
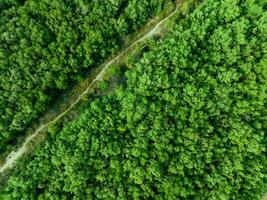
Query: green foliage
{"x": 46, "y": 46}
{"x": 6, "y": 4}
{"x": 103, "y": 85}
{"x": 189, "y": 124}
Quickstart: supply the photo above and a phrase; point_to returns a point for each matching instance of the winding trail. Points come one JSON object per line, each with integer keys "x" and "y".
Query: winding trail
{"x": 15, "y": 155}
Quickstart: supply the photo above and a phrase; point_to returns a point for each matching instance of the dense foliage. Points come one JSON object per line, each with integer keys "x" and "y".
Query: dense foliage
{"x": 46, "y": 45}
{"x": 189, "y": 124}
{"x": 5, "y": 4}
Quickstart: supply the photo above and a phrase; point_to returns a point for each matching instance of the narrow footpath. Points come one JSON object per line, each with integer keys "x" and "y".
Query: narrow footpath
{"x": 15, "y": 155}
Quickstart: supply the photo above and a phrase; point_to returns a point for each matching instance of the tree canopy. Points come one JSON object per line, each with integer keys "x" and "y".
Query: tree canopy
{"x": 190, "y": 123}
{"x": 47, "y": 45}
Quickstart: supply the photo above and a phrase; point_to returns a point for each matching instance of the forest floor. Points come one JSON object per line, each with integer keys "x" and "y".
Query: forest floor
{"x": 147, "y": 33}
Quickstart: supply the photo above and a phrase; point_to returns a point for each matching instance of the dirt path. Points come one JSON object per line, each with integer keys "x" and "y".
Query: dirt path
{"x": 15, "y": 155}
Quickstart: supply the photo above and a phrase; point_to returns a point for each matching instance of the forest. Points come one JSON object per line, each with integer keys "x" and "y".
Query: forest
{"x": 47, "y": 46}
{"x": 189, "y": 122}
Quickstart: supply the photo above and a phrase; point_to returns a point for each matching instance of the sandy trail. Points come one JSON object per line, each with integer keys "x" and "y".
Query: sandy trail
{"x": 15, "y": 155}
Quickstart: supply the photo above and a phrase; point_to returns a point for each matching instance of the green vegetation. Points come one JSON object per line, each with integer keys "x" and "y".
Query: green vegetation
{"x": 46, "y": 46}
{"x": 189, "y": 123}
